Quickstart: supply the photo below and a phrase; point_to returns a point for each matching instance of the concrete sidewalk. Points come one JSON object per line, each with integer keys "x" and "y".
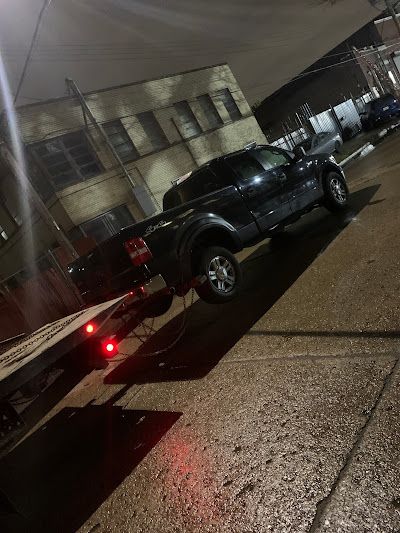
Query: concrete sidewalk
{"x": 278, "y": 412}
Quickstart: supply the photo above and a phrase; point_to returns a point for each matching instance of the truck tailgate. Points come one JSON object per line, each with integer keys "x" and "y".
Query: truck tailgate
{"x": 106, "y": 271}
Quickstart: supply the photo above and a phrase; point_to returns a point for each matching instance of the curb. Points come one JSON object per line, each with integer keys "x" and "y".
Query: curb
{"x": 381, "y": 136}
{"x": 354, "y": 154}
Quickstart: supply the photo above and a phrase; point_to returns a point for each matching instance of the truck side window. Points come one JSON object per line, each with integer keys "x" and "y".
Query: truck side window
{"x": 271, "y": 158}
{"x": 245, "y": 166}
{"x": 200, "y": 183}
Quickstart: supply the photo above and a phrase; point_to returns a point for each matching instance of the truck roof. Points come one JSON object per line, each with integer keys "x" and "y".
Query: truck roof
{"x": 189, "y": 175}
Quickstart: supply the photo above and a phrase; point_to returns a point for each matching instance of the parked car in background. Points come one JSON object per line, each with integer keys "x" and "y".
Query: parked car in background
{"x": 379, "y": 111}
{"x": 325, "y": 142}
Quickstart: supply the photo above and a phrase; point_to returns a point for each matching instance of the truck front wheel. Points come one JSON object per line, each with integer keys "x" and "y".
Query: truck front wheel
{"x": 336, "y": 192}
{"x": 222, "y": 275}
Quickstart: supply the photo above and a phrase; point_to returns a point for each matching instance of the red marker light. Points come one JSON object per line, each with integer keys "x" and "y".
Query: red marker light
{"x": 110, "y": 348}
{"x": 89, "y": 328}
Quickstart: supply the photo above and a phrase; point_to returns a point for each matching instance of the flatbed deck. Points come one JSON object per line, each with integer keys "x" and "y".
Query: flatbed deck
{"x": 32, "y": 354}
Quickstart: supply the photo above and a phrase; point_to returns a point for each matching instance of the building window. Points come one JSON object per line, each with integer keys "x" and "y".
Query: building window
{"x": 121, "y": 141}
{"x": 153, "y": 130}
{"x": 10, "y": 207}
{"x": 189, "y": 127}
{"x": 75, "y": 234}
{"x": 209, "y": 110}
{"x": 68, "y": 159}
{"x": 108, "y": 224}
{"x": 230, "y": 104}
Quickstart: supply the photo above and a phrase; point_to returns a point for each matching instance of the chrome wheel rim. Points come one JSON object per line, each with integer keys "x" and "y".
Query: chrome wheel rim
{"x": 338, "y": 190}
{"x": 221, "y": 274}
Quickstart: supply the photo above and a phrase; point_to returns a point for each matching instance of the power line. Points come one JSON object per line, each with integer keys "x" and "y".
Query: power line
{"x": 86, "y": 56}
{"x": 162, "y": 44}
{"x": 122, "y": 51}
{"x": 395, "y": 42}
{"x": 125, "y": 49}
{"x": 307, "y": 73}
{"x": 35, "y": 36}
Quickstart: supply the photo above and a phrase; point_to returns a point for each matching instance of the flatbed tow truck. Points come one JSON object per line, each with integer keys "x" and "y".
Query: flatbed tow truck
{"x": 91, "y": 335}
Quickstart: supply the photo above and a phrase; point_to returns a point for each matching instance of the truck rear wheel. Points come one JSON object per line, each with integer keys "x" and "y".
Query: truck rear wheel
{"x": 222, "y": 273}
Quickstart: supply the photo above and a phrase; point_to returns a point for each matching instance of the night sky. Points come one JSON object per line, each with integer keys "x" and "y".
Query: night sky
{"x": 101, "y": 43}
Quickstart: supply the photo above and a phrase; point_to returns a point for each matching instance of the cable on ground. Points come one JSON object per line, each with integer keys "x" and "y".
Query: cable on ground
{"x": 149, "y": 330}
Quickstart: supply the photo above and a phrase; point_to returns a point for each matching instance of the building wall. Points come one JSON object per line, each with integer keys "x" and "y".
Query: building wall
{"x": 387, "y": 29}
{"x": 53, "y": 118}
{"x": 329, "y": 81}
{"x": 154, "y": 170}
{"x": 36, "y": 236}
{"x": 379, "y": 65}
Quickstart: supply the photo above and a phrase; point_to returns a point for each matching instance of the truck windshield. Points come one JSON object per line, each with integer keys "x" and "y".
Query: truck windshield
{"x": 200, "y": 183}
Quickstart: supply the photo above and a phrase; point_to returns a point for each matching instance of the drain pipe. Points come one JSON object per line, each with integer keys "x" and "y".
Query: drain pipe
{"x": 87, "y": 111}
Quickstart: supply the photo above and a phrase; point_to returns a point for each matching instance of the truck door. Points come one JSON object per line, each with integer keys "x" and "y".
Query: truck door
{"x": 262, "y": 185}
{"x": 302, "y": 186}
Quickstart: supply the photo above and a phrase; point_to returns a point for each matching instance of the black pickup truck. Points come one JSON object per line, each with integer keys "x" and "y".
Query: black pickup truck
{"x": 227, "y": 204}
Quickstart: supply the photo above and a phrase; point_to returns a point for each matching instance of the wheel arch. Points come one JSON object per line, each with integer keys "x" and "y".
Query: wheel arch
{"x": 216, "y": 233}
{"x": 326, "y": 169}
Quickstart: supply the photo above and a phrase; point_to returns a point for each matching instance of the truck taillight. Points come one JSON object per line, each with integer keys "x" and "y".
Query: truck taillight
{"x": 138, "y": 251}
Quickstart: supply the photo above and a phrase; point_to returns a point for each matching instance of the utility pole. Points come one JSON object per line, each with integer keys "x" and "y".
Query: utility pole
{"x": 375, "y": 72}
{"x": 87, "y": 111}
{"x": 393, "y": 14}
{"x": 40, "y": 206}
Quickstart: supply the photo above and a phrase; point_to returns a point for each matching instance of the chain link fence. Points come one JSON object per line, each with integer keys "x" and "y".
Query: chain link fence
{"x": 343, "y": 118}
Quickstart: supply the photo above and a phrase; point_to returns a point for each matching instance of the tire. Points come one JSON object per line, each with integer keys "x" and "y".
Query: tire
{"x": 336, "y": 192}
{"x": 223, "y": 275}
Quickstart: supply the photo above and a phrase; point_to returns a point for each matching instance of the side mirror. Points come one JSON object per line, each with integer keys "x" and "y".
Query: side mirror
{"x": 299, "y": 152}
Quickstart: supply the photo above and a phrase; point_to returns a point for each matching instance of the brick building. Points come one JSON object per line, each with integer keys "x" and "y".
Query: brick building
{"x": 332, "y": 79}
{"x": 161, "y": 129}
{"x": 380, "y": 62}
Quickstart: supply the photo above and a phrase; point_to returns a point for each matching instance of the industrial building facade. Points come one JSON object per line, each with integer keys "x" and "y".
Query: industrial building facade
{"x": 158, "y": 130}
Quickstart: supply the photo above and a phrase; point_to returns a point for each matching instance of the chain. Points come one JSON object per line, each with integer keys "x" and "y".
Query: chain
{"x": 12, "y": 355}
{"x": 148, "y": 330}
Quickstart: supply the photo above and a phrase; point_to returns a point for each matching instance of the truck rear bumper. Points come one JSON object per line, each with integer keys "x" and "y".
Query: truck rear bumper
{"x": 155, "y": 285}
{"x": 134, "y": 288}
{"x": 144, "y": 294}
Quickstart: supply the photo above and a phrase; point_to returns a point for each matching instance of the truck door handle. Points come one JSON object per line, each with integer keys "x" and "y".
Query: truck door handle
{"x": 282, "y": 176}
{"x": 250, "y": 191}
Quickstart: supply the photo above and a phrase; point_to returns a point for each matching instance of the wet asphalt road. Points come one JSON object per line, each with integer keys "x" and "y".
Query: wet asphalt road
{"x": 278, "y": 412}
